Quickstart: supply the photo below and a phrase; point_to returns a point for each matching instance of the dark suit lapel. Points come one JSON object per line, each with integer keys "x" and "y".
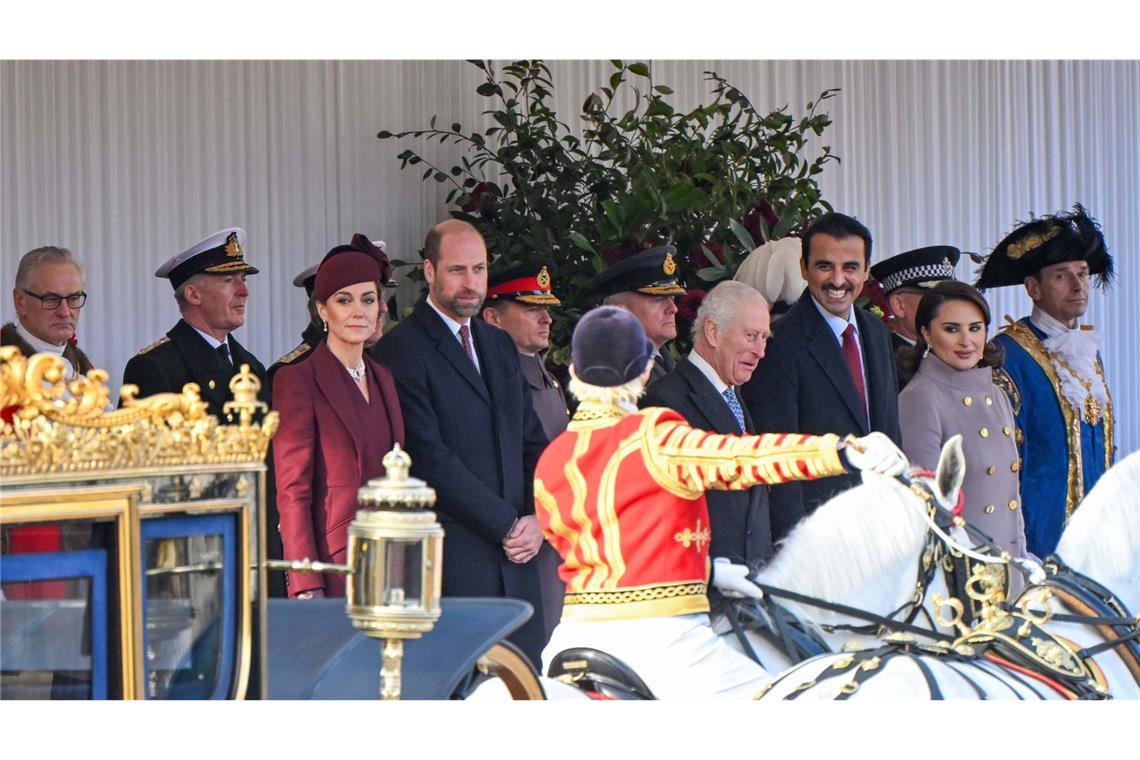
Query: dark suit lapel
{"x": 449, "y": 347}
{"x": 326, "y": 371}
{"x": 491, "y": 365}
{"x": 704, "y": 397}
{"x": 880, "y": 368}
{"x": 203, "y": 362}
{"x": 825, "y": 350}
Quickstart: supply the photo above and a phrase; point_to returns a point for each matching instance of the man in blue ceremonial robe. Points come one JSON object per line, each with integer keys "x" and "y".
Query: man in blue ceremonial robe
{"x": 1053, "y": 372}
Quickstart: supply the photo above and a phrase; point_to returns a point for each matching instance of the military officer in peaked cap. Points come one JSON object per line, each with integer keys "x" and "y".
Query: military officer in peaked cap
{"x": 905, "y": 279}
{"x": 1052, "y": 371}
{"x": 517, "y": 301}
{"x": 312, "y": 335}
{"x": 209, "y": 281}
{"x": 646, "y": 284}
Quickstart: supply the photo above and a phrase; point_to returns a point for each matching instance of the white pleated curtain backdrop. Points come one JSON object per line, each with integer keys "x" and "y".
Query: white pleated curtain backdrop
{"x": 129, "y": 162}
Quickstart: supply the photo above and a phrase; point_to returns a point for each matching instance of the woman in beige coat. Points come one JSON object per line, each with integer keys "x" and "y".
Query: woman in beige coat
{"x": 951, "y": 392}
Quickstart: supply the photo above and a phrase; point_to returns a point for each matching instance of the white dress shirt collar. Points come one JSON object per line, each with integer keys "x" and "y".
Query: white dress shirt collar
{"x": 707, "y": 370}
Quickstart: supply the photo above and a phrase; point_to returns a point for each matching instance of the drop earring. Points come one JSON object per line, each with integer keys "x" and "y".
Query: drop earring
{"x": 325, "y": 325}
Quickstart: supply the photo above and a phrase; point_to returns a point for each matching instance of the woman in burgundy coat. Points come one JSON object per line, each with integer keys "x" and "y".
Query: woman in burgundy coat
{"x": 339, "y": 417}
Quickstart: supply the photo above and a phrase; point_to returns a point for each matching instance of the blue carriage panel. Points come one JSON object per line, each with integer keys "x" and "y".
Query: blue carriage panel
{"x": 45, "y": 619}
{"x": 213, "y": 652}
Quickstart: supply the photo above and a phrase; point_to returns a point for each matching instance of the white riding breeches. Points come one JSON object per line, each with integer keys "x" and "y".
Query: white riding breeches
{"x": 677, "y": 657}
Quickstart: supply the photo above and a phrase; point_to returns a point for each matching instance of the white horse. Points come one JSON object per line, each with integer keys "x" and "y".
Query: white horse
{"x": 863, "y": 549}
{"x": 1102, "y": 542}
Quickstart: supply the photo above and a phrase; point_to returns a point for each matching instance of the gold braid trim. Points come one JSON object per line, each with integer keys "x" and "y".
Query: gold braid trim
{"x": 645, "y": 601}
{"x": 1025, "y": 338}
{"x": 1109, "y": 441}
{"x": 687, "y": 461}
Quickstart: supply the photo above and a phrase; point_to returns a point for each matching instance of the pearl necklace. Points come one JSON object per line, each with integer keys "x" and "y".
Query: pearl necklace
{"x": 357, "y": 373}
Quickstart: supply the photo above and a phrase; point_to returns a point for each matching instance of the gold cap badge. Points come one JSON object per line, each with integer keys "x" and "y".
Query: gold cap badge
{"x": 543, "y": 279}
{"x": 233, "y": 247}
{"x": 670, "y": 266}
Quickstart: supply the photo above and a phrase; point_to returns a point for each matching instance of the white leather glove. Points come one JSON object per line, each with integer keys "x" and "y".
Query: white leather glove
{"x": 876, "y": 453}
{"x": 732, "y": 580}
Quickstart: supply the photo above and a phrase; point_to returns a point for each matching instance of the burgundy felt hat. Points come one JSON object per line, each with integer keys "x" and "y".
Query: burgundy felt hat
{"x": 344, "y": 265}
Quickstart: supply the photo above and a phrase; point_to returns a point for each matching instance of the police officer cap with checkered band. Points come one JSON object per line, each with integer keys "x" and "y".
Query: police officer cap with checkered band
{"x": 922, "y": 268}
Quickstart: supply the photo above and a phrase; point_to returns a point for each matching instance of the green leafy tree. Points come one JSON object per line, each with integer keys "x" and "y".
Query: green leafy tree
{"x": 714, "y": 181}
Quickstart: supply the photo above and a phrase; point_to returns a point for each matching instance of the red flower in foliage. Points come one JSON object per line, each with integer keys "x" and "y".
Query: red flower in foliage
{"x": 872, "y": 298}
{"x": 700, "y": 260}
{"x": 482, "y": 200}
{"x": 762, "y": 210}
{"x": 687, "y": 306}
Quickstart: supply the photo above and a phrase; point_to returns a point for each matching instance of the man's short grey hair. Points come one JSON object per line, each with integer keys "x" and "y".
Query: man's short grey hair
{"x": 180, "y": 291}
{"x": 48, "y": 254}
{"x": 723, "y": 303}
{"x": 617, "y": 299}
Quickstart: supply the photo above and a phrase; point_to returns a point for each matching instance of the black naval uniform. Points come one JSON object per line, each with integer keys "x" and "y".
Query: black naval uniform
{"x": 183, "y": 356}
{"x": 310, "y": 338}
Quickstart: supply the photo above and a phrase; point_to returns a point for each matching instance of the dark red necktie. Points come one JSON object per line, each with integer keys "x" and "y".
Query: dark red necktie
{"x": 465, "y": 336}
{"x": 855, "y": 365}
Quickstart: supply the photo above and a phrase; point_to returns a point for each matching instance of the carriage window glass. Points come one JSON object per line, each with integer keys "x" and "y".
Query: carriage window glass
{"x": 184, "y": 606}
{"x": 45, "y": 639}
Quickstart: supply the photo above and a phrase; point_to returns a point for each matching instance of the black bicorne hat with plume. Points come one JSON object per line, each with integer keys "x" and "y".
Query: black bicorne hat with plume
{"x": 1054, "y": 239}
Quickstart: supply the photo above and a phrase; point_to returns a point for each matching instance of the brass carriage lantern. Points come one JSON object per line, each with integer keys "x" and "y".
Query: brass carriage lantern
{"x": 395, "y": 550}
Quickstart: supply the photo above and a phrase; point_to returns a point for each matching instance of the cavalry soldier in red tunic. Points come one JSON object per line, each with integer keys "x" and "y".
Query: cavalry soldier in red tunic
{"x": 620, "y": 495}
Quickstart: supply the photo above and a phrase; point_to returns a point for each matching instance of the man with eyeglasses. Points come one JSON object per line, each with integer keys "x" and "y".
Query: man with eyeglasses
{"x": 209, "y": 281}
{"x": 48, "y": 297}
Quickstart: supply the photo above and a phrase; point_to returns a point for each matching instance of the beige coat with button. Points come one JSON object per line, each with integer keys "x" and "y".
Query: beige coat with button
{"x": 941, "y": 402}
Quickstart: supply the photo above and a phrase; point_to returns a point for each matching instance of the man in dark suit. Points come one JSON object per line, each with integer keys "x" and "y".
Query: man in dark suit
{"x": 829, "y": 366}
{"x": 646, "y": 284}
{"x": 209, "y": 281}
{"x": 729, "y": 337}
{"x": 471, "y": 428}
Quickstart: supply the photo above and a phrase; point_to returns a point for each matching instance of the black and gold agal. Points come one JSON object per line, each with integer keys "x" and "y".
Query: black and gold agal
{"x": 221, "y": 253}
{"x": 1055, "y": 239}
{"x": 652, "y": 272}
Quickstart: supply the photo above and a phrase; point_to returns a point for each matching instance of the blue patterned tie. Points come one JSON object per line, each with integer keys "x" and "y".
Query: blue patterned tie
{"x": 734, "y": 404}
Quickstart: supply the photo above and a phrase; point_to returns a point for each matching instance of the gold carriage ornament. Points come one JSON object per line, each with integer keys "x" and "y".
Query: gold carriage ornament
{"x": 395, "y": 564}
{"x": 58, "y": 426}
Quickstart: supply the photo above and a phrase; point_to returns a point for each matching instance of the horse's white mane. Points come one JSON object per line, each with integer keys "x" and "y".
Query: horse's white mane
{"x": 848, "y": 542}
{"x": 1102, "y": 538}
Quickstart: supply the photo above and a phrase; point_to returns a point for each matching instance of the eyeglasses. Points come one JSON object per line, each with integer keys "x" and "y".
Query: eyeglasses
{"x": 52, "y": 301}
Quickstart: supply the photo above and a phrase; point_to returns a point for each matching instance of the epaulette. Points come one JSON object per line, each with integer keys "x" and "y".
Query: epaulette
{"x": 292, "y": 355}
{"x": 156, "y": 344}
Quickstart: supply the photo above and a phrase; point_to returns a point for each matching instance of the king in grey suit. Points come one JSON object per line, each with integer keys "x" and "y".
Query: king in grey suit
{"x": 729, "y": 336}
{"x": 805, "y": 383}
{"x": 471, "y": 429}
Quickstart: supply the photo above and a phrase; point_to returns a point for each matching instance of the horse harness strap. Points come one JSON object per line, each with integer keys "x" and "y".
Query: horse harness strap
{"x": 882, "y": 622}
